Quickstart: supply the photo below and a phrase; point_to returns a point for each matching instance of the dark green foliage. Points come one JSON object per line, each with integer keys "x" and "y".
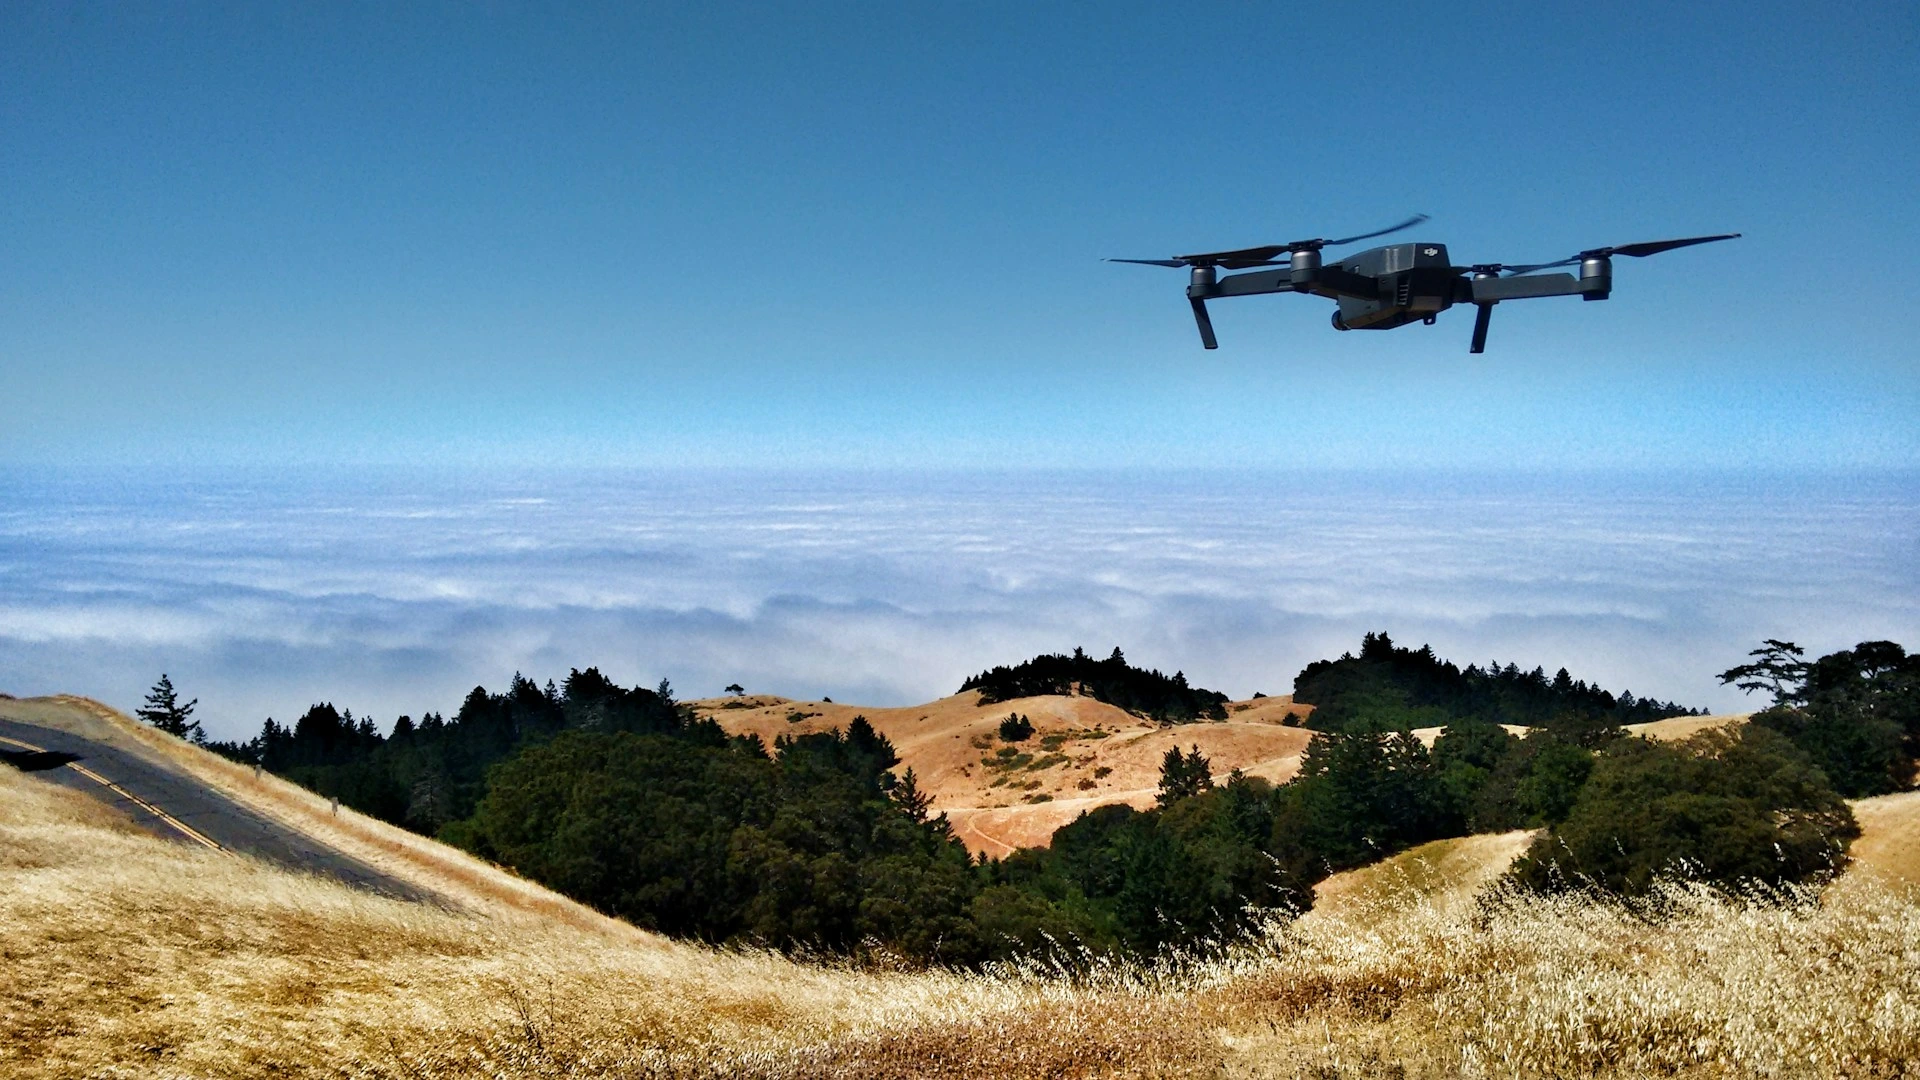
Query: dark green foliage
{"x": 1117, "y": 878}
{"x": 1183, "y": 776}
{"x": 1387, "y": 688}
{"x": 720, "y": 841}
{"x": 1360, "y": 797}
{"x": 1855, "y": 712}
{"x": 1016, "y": 728}
{"x": 426, "y": 775}
{"x": 1113, "y": 680}
{"x": 1725, "y": 807}
{"x": 164, "y": 711}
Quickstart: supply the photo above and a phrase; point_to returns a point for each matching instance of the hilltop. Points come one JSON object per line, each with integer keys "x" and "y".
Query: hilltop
{"x": 1083, "y": 753}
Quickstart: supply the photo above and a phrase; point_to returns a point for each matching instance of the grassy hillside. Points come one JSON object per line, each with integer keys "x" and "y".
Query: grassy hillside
{"x": 127, "y": 955}
{"x": 1083, "y": 753}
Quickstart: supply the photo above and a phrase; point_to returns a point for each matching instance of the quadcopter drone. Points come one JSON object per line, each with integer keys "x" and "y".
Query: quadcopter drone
{"x": 1390, "y": 286}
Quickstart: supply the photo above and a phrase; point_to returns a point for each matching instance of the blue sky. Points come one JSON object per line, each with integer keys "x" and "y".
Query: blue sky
{"x": 869, "y": 234}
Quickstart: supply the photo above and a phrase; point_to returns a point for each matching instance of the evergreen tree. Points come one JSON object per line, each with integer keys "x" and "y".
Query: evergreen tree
{"x": 164, "y": 711}
{"x": 1182, "y": 776}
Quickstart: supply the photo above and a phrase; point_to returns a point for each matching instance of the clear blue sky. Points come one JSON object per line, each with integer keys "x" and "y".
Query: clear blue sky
{"x": 840, "y": 234}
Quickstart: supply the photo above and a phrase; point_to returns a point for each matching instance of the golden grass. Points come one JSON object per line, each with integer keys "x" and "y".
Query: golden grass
{"x": 1889, "y": 843}
{"x": 123, "y": 955}
{"x": 458, "y": 878}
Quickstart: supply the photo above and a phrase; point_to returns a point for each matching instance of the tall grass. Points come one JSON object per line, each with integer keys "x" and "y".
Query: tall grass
{"x": 121, "y": 955}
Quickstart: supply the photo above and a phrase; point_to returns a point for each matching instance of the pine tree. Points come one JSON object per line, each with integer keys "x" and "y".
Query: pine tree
{"x": 1183, "y": 775}
{"x": 165, "y": 712}
{"x": 907, "y": 795}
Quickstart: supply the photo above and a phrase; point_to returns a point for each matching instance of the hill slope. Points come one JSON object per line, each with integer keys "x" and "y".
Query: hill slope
{"x": 1083, "y": 753}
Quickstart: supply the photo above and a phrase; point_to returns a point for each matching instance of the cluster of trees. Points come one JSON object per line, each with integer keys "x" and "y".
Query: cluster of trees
{"x": 1855, "y": 712}
{"x": 427, "y": 774}
{"x": 626, "y": 800}
{"x": 1724, "y": 806}
{"x": 1387, "y": 688}
{"x": 1163, "y": 698}
{"x": 694, "y": 833}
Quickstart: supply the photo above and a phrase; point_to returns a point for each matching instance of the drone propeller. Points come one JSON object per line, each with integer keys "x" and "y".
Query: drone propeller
{"x": 1246, "y": 258}
{"x": 1315, "y": 245}
{"x": 1637, "y": 251}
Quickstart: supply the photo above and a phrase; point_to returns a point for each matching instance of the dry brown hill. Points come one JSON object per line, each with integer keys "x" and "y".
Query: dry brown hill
{"x": 1083, "y": 753}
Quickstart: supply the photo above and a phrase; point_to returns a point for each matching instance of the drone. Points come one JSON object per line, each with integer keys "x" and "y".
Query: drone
{"x": 1385, "y": 287}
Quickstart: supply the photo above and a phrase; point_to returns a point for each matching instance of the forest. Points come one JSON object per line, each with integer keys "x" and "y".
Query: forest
{"x": 1386, "y": 688}
{"x": 625, "y": 800}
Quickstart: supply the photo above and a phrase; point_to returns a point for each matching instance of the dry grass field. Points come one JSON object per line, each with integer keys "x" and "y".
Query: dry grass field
{"x": 123, "y": 955}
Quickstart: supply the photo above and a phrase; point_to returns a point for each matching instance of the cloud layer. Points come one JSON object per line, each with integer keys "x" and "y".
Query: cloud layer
{"x": 397, "y": 592}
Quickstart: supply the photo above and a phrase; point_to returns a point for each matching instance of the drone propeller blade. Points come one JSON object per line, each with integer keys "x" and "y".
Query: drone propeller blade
{"x": 1150, "y": 262}
{"x": 1516, "y": 271}
{"x": 1655, "y": 247}
{"x": 1636, "y": 251}
{"x": 1254, "y": 256}
{"x": 1407, "y": 224}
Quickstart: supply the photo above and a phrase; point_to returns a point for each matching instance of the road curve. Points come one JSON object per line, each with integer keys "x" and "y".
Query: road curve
{"x": 173, "y": 805}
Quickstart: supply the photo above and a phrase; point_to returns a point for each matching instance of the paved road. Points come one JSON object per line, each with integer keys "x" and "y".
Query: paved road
{"x": 171, "y": 804}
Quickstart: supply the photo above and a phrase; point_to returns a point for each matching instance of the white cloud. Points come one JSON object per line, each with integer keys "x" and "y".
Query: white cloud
{"x": 397, "y": 595}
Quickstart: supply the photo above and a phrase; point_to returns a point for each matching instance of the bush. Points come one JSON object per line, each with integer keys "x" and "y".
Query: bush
{"x": 1725, "y": 807}
{"x": 1016, "y": 728}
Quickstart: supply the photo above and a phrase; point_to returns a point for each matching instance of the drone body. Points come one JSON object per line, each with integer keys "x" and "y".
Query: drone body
{"x": 1385, "y": 287}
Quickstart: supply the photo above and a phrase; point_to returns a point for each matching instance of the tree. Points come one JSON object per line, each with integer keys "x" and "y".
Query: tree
{"x": 736, "y": 689}
{"x": 1779, "y": 669}
{"x": 1016, "y": 728}
{"x": 1854, "y": 711}
{"x": 909, "y": 798}
{"x": 1183, "y": 776}
{"x": 165, "y": 712}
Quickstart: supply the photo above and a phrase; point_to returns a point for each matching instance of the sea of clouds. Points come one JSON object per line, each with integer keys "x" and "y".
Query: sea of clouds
{"x": 398, "y": 590}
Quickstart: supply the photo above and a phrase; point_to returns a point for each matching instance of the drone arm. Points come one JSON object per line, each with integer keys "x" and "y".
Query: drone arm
{"x": 1266, "y": 281}
{"x": 1525, "y": 288}
{"x": 1329, "y": 281}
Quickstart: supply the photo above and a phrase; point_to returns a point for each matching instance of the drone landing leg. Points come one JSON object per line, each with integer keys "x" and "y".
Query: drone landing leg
{"x": 1480, "y": 321}
{"x": 1205, "y": 323}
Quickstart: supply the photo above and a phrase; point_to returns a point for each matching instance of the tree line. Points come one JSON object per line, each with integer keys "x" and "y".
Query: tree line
{"x": 1145, "y": 693}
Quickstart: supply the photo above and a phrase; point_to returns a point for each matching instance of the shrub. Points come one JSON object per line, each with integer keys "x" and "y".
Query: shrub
{"x": 1724, "y": 807}
{"x": 1016, "y": 728}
